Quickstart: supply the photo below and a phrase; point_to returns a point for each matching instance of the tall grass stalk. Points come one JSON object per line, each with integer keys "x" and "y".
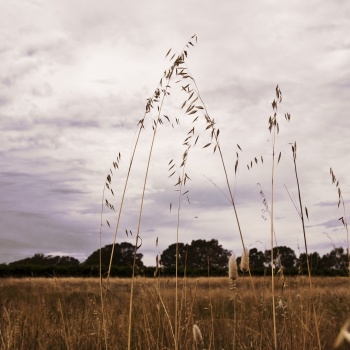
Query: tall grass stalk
{"x": 141, "y": 126}
{"x": 104, "y": 323}
{"x": 155, "y": 127}
{"x": 137, "y": 237}
{"x": 301, "y": 213}
{"x": 103, "y": 299}
{"x": 181, "y": 184}
{"x": 274, "y": 127}
{"x": 167, "y": 75}
{"x": 215, "y": 135}
{"x": 343, "y": 219}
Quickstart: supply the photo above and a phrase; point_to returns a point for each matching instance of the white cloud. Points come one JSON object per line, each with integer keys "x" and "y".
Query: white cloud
{"x": 74, "y": 82}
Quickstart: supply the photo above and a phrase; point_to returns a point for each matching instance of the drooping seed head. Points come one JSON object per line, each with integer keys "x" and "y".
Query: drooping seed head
{"x": 197, "y": 335}
{"x": 232, "y": 268}
{"x": 245, "y": 260}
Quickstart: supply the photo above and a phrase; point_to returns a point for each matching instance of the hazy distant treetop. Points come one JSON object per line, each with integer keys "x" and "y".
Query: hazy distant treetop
{"x": 47, "y": 260}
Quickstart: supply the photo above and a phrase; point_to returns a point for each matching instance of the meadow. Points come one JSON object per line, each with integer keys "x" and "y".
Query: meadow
{"x": 49, "y": 313}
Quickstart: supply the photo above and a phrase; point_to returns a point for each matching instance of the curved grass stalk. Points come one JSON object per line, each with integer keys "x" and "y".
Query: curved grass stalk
{"x": 155, "y": 128}
{"x": 104, "y": 326}
{"x": 215, "y": 134}
{"x": 141, "y": 123}
{"x": 122, "y": 200}
{"x": 103, "y": 300}
{"x": 137, "y": 237}
{"x": 177, "y": 260}
{"x": 294, "y": 149}
{"x": 272, "y": 236}
{"x": 273, "y": 124}
{"x": 343, "y": 219}
{"x": 181, "y": 183}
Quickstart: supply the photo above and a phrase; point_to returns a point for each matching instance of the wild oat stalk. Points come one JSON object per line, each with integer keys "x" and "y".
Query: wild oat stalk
{"x": 273, "y": 125}
{"x": 195, "y": 104}
{"x": 343, "y": 219}
{"x": 138, "y": 235}
{"x": 181, "y": 183}
{"x": 160, "y": 95}
{"x": 155, "y": 127}
{"x": 108, "y": 185}
{"x": 149, "y": 106}
{"x": 104, "y": 327}
{"x": 154, "y": 99}
{"x": 301, "y": 213}
{"x": 103, "y": 300}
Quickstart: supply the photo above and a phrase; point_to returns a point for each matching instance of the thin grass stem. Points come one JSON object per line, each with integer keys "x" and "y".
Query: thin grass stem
{"x": 294, "y": 149}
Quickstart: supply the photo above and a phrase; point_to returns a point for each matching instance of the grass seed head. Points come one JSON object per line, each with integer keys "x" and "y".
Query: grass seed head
{"x": 245, "y": 260}
{"x": 232, "y": 268}
{"x": 197, "y": 335}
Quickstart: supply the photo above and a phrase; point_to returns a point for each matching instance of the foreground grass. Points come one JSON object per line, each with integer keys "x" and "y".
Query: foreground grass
{"x": 66, "y": 313}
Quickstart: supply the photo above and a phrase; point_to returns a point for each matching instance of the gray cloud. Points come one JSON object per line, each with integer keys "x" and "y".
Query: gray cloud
{"x": 74, "y": 84}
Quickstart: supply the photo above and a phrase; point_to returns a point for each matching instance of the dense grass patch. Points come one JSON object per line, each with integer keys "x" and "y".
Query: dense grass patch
{"x": 66, "y": 313}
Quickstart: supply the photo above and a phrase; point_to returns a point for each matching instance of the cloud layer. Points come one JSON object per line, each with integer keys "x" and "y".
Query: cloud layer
{"x": 74, "y": 81}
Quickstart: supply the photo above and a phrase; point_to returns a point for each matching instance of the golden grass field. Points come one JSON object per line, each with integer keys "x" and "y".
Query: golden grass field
{"x": 66, "y": 313}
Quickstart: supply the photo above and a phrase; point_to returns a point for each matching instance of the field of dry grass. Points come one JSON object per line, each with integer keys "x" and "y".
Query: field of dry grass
{"x": 66, "y": 313}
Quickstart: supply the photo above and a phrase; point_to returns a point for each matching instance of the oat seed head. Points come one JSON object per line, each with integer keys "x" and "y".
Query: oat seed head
{"x": 245, "y": 260}
{"x": 197, "y": 335}
{"x": 232, "y": 268}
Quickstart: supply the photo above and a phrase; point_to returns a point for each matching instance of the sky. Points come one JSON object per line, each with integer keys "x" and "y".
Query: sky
{"x": 75, "y": 77}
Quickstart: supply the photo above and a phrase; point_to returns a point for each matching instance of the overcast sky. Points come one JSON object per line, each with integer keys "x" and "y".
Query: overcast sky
{"x": 74, "y": 81}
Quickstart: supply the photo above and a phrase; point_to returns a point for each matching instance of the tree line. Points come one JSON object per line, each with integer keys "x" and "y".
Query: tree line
{"x": 199, "y": 258}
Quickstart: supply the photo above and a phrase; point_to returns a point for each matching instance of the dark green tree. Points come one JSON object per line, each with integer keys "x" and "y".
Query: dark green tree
{"x": 256, "y": 260}
{"x": 314, "y": 261}
{"x": 335, "y": 260}
{"x": 168, "y": 256}
{"x": 283, "y": 256}
{"x": 46, "y": 260}
{"x": 123, "y": 256}
{"x": 197, "y": 255}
